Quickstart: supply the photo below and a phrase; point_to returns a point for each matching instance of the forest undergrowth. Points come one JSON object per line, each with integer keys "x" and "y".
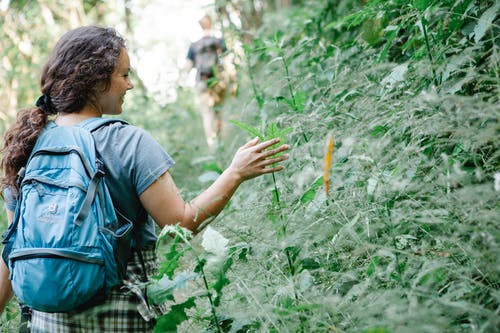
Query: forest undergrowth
{"x": 406, "y": 236}
{"x": 406, "y": 239}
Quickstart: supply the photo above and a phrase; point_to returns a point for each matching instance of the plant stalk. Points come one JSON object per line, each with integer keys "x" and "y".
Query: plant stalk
{"x": 209, "y": 295}
{"x": 287, "y": 75}
{"x": 283, "y": 226}
{"x": 258, "y": 98}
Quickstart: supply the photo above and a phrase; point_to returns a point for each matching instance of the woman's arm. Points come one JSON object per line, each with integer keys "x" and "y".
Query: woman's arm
{"x": 164, "y": 203}
{"x": 5, "y": 286}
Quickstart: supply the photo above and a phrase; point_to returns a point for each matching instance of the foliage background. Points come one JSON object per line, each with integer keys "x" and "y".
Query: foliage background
{"x": 407, "y": 238}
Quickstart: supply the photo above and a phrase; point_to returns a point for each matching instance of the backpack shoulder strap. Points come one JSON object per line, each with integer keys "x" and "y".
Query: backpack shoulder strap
{"x": 50, "y": 124}
{"x": 93, "y": 124}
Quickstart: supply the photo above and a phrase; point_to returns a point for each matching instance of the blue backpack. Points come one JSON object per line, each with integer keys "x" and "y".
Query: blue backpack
{"x": 66, "y": 246}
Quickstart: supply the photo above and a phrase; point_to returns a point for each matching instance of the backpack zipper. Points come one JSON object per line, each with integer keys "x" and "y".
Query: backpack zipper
{"x": 52, "y": 253}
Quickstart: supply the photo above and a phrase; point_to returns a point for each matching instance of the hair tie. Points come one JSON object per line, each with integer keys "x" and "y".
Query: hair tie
{"x": 45, "y": 104}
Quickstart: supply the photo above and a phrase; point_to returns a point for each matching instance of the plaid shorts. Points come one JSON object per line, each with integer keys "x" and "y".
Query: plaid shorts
{"x": 125, "y": 308}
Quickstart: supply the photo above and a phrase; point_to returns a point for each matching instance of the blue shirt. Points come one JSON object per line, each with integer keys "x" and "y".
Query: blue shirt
{"x": 133, "y": 161}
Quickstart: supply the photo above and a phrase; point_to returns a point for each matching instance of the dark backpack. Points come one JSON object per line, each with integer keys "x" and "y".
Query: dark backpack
{"x": 66, "y": 247}
{"x": 206, "y": 57}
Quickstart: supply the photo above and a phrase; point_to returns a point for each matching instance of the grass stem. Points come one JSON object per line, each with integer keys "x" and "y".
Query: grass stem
{"x": 427, "y": 45}
{"x": 209, "y": 295}
{"x": 289, "y": 82}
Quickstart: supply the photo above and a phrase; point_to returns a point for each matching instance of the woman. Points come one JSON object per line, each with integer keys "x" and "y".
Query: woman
{"x": 87, "y": 76}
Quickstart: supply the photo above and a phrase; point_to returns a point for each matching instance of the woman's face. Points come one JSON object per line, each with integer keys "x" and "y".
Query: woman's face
{"x": 111, "y": 101}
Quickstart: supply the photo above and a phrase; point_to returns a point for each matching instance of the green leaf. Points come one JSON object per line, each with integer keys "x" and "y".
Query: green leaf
{"x": 377, "y": 330}
{"x": 353, "y": 20}
{"x": 211, "y": 167}
{"x": 389, "y": 36}
{"x": 177, "y": 314}
{"x": 180, "y": 233}
{"x": 246, "y": 48}
{"x": 252, "y": 130}
{"x": 310, "y": 263}
{"x": 485, "y": 22}
{"x": 421, "y": 4}
{"x": 171, "y": 262}
{"x": 373, "y": 265}
{"x": 300, "y": 101}
{"x": 287, "y": 101}
{"x": 331, "y": 25}
{"x": 456, "y": 17}
{"x": 200, "y": 265}
{"x": 379, "y": 131}
{"x": 311, "y": 192}
{"x": 273, "y": 131}
{"x": 173, "y": 255}
{"x": 371, "y": 32}
{"x": 221, "y": 280}
{"x": 260, "y": 100}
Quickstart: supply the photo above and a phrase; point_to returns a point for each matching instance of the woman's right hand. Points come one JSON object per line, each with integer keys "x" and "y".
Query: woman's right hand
{"x": 254, "y": 159}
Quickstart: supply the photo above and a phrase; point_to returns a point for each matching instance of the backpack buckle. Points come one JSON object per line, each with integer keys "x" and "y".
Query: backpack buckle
{"x": 20, "y": 175}
{"x": 100, "y": 169}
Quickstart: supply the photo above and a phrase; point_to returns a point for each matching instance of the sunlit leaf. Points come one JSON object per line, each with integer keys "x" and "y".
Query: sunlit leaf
{"x": 177, "y": 231}
{"x": 396, "y": 76}
{"x": 214, "y": 243}
{"x": 485, "y": 21}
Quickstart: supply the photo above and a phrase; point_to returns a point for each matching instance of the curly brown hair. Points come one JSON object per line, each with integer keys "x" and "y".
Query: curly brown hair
{"x": 77, "y": 72}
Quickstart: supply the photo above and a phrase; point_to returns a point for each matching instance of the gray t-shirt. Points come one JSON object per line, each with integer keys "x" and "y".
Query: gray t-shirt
{"x": 133, "y": 161}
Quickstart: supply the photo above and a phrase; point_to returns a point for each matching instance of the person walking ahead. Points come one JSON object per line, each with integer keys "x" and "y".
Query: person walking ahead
{"x": 87, "y": 76}
{"x": 214, "y": 71}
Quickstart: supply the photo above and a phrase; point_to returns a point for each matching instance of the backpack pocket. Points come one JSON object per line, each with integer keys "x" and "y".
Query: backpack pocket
{"x": 48, "y": 213}
{"x": 56, "y": 280}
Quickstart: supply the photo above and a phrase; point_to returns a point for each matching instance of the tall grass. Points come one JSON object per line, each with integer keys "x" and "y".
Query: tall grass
{"x": 407, "y": 241}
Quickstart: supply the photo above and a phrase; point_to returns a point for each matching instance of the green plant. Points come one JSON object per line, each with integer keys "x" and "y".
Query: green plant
{"x": 167, "y": 286}
{"x": 273, "y": 131}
